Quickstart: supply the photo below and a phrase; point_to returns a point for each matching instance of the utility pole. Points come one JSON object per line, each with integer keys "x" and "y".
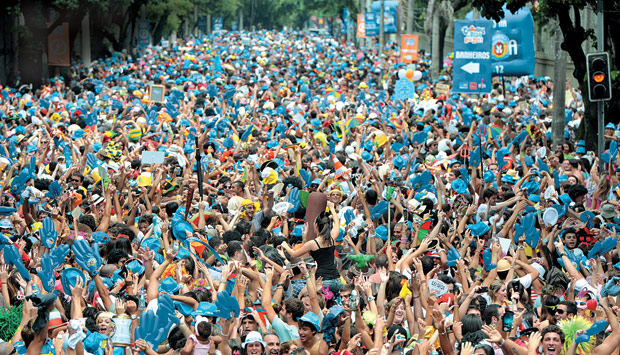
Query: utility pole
{"x": 382, "y": 29}
{"x": 600, "y": 42}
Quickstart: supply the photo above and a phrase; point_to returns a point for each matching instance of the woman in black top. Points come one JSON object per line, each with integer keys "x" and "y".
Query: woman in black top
{"x": 327, "y": 227}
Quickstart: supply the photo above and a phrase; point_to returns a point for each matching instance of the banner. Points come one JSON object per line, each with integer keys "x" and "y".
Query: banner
{"x": 408, "y": 48}
{"x": 361, "y": 26}
{"x": 58, "y": 48}
{"x": 143, "y": 36}
{"x": 218, "y": 24}
{"x": 202, "y": 24}
{"x": 372, "y": 26}
{"x": 390, "y": 15}
{"x": 512, "y": 52}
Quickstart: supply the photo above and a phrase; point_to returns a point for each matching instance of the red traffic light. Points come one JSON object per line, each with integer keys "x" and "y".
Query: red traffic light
{"x": 598, "y": 77}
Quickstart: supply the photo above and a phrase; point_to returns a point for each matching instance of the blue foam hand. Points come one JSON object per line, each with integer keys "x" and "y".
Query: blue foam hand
{"x": 32, "y": 167}
{"x": 100, "y": 237}
{"x": 608, "y": 245}
{"x": 529, "y": 222}
{"x": 86, "y": 256}
{"x": 532, "y": 238}
{"x": 146, "y": 327}
{"x": 59, "y": 254}
{"x": 54, "y": 190}
{"x": 487, "y": 257}
{"x": 227, "y": 303}
{"x": 12, "y": 257}
{"x": 92, "y": 160}
{"x": 46, "y": 274}
{"x": 518, "y": 232}
{"x": 152, "y": 118}
{"x": 611, "y": 288}
{"x": 293, "y": 199}
{"x": 48, "y": 233}
{"x": 453, "y": 256}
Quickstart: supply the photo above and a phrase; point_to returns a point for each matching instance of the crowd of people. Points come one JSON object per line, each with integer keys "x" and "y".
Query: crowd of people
{"x": 270, "y": 193}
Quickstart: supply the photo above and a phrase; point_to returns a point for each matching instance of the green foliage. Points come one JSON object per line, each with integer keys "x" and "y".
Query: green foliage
{"x": 172, "y": 12}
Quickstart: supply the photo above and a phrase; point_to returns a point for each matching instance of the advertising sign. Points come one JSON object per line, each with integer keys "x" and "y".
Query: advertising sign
{"x": 372, "y": 27}
{"x": 472, "y": 56}
{"x": 390, "y": 15}
{"x": 408, "y": 48}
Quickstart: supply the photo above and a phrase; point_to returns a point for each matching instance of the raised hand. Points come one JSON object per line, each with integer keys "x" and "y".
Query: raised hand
{"x": 48, "y": 233}
{"x": 86, "y": 256}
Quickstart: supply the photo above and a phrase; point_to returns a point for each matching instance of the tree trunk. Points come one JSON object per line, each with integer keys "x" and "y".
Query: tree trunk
{"x": 410, "y": 16}
{"x": 33, "y": 44}
{"x": 435, "y": 40}
{"x": 559, "y": 92}
{"x": 8, "y": 50}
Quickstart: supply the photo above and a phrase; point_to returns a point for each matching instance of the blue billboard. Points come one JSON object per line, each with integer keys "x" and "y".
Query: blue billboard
{"x": 390, "y": 15}
{"x": 512, "y": 48}
{"x": 372, "y": 25}
{"x": 472, "y": 56}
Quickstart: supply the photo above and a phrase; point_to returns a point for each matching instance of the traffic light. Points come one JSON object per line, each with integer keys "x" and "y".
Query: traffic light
{"x": 599, "y": 82}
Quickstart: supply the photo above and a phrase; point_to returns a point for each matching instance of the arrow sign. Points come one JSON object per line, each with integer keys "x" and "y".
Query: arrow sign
{"x": 471, "y": 67}
{"x": 472, "y": 56}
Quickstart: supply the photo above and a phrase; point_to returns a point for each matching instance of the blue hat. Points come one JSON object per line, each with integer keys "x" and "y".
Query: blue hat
{"x": 135, "y": 267}
{"x": 298, "y": 231}
{"x": 381, "y": 232}
{"x": 316, "y": 181}
{"x": 488, "y": 176}
{"x": 580, "y": 150}
{"x": 183, "y": 308}
{"x": 459, "y": 186}
{"x": 70, "y": 278}
{"x": 180, "y": 228}
{"x": 566, "y": 199}
{"x": 581, "y": 143}
{"x": 610, "y": 126}
{"x": 311, "y": 318}
{"x": 379, "y": 209}
{"x": 479, "y": 229}
{"x": 206, "y": 309}
{"x": 168, "y": 285}
{"x": 151, "y": 243}
{"x": 399, "y": 162}
{"x": 366, "y": 156}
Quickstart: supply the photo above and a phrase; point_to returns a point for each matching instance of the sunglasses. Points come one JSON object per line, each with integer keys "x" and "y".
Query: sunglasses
{"x": 559, "y": 311}
{"x": 75, "y": 180}
{"x": 228, "y": 186}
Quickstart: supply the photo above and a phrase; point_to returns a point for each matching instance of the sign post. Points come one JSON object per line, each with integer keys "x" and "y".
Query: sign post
{"x": 472, "y": 56}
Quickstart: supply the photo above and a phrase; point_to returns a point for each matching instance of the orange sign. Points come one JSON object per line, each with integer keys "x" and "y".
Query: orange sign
{"x": 58, "y": 49}
{"x": 408, "y": 48}
{"x": 361, "y": 26}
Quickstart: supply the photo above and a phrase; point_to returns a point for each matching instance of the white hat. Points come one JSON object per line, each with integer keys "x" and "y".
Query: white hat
{"x": 253, "y": 337}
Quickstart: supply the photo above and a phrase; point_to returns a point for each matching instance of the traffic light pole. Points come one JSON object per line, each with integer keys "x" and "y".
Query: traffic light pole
{"x": 600, "y": 110}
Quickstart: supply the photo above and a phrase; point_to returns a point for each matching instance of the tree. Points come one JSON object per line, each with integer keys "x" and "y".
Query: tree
{"x": 568, "y": 15}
